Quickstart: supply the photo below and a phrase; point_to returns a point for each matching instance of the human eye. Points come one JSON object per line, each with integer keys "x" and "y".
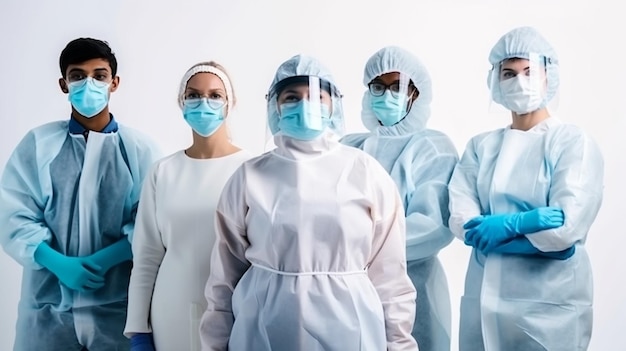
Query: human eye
{"x": 76, "y": 76}
{"x": 291, "y": 98}
{"x": 395, "y": 87}
{"x": 192, "y": 95}
{"x": 101, "y": 76}
{"x": 507, "y": 75}
{"x": 216, "y": 96}
{"x": 377, "y": 89}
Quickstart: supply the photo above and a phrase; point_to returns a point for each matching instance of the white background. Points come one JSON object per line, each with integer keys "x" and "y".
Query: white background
{"x": 156, "y": 41}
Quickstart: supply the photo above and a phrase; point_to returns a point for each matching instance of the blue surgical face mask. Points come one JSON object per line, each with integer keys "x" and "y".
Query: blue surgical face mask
{"x": 88, "y": 96}
{"x": 203, "y": 118}
{"x": 299, "y": 121}
{"x": 389, "y": 109}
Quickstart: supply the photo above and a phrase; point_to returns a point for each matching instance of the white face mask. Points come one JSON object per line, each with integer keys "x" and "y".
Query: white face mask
{"x": 522, "y": 94}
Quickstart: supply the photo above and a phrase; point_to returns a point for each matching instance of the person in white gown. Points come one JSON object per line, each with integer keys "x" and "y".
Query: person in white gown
{"x": 310, "y": 248}
{"x": 174, "y": 230}
{"x": 525, "y": 197}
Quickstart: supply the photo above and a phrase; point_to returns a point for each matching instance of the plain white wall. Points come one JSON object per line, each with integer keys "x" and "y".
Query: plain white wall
{"x": 156, "y": 41}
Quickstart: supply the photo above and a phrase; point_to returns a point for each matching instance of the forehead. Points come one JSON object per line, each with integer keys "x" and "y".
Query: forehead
{"x": 89, "y": 66}
{"x": 388, "y": 78}
{"x": 515, "y": 63}
{"x": 205, "y": 81}
{"x": 300, "y": 87}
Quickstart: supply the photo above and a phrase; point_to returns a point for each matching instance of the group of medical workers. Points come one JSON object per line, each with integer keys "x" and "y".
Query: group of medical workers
{"x": 327, "y": 242}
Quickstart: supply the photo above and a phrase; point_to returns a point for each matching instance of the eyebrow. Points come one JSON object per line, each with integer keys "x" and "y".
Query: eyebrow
{"x": 76, "y": 69}
{"x": 380, "y": 81}
{"x": 210, "y": 90}
{"x": 511, "y": 69}
{"x": 289, "y": 90}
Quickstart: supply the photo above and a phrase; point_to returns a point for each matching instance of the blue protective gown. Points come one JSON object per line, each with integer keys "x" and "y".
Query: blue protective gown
{"x": 420, "y": 161}
{"x": 529, "y": 303}
{"x": 79, "y": 197}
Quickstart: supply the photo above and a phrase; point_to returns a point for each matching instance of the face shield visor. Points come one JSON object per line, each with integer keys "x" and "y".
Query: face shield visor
{"x": 391, "y": 96}
{"x": 304, "y": 108}
{"x": 521, "y": 85}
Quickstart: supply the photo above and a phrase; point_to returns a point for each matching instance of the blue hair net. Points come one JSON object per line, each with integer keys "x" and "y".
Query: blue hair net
{"x": 396, "y": 59}
{"x": 297, "y": 66}
{"x": 522, "y": 42}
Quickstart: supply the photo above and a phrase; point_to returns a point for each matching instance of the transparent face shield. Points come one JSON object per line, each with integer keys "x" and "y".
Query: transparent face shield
{"x": 391, "y": 96}
{"x": 304, "y": 108}
{"x": 521, "y": 85}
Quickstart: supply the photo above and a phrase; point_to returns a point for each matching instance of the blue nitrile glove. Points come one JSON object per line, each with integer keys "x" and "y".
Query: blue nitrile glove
{"x": 539, "y": 219}
{"x": 142, "y": 342}
{"x": 522, "y": 246}
{"x": 486, "y": 232}
{"x": 113, "y": 255}
{"x": 77, "y": 273}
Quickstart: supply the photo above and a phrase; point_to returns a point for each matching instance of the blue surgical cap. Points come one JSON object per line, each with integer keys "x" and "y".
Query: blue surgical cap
{"x": 395, "y": 59}
{"x": 525, "y": 43}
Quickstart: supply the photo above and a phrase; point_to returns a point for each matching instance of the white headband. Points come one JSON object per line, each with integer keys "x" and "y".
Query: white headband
{"x": 207, "y": 69}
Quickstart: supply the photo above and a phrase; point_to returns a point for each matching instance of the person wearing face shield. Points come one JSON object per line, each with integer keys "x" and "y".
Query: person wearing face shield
{"x": 310, "y": 250}
{"x": 395, "y": 109}
{"x": 175, "y": 219}
{"x": 69, "y": 194}
{"x": 525, "y": 197}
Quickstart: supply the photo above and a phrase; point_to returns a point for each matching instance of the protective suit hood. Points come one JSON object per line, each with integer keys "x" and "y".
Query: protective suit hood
{"x": 395, "y": 59}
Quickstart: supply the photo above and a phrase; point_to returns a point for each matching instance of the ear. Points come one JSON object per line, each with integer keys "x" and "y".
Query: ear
{"x": 114, "y": 83}
{"x": 63, "y": 85}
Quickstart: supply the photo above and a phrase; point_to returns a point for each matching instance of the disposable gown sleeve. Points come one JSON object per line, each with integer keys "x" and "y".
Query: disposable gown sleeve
{"x": 148, "y": 252}
{"x": 355, "y": 140}
{"x": 427, "y": 212}
{"x": 387, "y": 271}
{"x": 22, "y": 204}
{"x": 228, "y": 264}
{"x": 464, "y": 203}
{"x": 577, "y": 186}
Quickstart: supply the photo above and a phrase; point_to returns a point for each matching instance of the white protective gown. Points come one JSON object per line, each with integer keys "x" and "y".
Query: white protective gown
{"x": 173, "y": 237}
{"x": 515, "y": 302}
{"x": 309, "y": 255}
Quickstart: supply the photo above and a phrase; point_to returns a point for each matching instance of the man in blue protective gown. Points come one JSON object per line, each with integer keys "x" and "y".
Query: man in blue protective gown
{"x": 68, "y": 197}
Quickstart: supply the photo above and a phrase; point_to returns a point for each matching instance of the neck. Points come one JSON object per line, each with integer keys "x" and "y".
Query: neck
{"x": 95, "y": 123}
{"x": 213, "y": 146}
{"x": 527, "y": 121}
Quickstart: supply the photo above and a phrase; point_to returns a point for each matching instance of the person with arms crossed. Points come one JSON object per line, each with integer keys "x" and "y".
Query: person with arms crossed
{"x": 524, "y": 197}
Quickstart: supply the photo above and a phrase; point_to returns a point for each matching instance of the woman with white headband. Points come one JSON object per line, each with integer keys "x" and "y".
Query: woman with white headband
{"x": 174, "y": 227}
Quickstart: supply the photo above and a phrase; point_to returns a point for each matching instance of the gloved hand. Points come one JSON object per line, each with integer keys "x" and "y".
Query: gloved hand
{"x": 486, "y": 232}
{"x": 113, "y": 255}
{"x": 77, "y": 273}
{"x": 522, "y": 246}
{"x": 142, "y": 342}
{"x": 541, "y": 218}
